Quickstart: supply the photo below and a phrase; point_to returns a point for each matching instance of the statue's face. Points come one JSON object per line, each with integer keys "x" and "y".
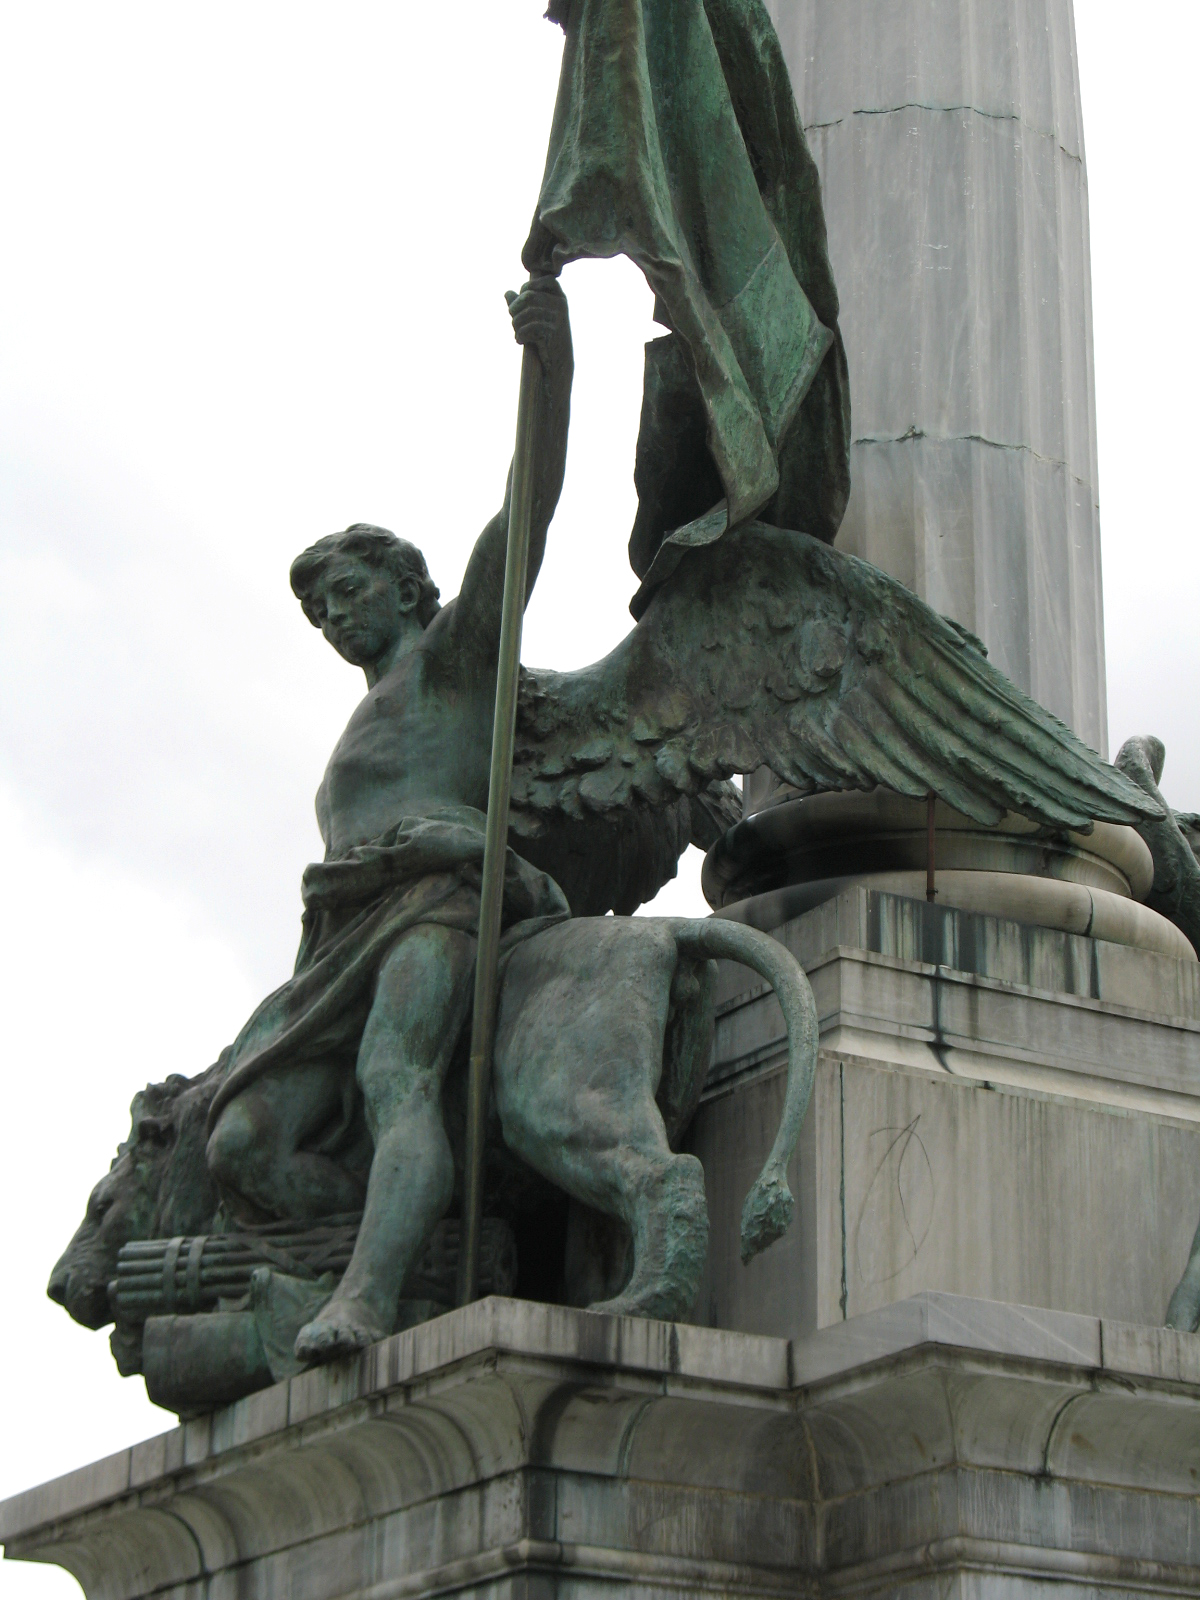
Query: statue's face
{"x": 362, "y": 611}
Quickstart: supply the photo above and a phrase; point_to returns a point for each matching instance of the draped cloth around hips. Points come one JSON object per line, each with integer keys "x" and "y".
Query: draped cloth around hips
{"x": 425, "y": 870}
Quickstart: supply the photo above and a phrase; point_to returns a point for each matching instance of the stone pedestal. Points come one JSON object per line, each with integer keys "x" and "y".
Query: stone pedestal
{"x": 793, "y": 854}
{"x": 1001, "y": 1113}
{"x": 1000, "y": 1110}
{"x": 949, "y": 140}
{"x": 939, "y": 1447}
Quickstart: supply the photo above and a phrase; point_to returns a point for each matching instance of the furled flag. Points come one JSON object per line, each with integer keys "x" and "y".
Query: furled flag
{"x": 648, "y": 159}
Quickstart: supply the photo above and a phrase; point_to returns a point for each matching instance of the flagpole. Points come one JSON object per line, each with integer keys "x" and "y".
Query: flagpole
{"x": 491, "y": 900}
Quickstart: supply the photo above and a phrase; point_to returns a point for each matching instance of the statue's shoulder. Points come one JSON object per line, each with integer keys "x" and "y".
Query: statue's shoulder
{"x": 451, "y": 645}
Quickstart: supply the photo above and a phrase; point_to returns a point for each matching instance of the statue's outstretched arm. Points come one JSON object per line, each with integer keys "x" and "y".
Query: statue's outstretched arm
{"x": 539, "y": 317}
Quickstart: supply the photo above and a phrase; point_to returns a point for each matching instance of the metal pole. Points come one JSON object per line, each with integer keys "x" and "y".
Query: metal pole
{"x": 491, "y": 900}
{"x": 930, "y": 850}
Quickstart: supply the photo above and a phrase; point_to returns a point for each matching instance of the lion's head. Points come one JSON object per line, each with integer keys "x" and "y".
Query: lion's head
{"x": 157, "y": 1187}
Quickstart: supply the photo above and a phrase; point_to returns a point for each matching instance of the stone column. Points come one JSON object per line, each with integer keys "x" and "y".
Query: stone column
{"x": 950, "y": 144}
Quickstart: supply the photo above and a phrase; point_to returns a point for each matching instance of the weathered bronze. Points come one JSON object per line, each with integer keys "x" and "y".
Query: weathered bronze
{"x": 642, "y": 989}
{"x": 1173, "y": 838}
{"x": 712, "y": 191}
{"x": 763, "y": 646}
{"x": 756, "y": 644}
{"x": 1174, "y": 841}
{"x": 157, "y": 1277}
{"x": 930, "y": 848}
{"x": 491, "y": 897}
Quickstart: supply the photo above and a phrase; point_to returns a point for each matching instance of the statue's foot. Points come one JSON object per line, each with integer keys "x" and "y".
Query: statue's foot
{"x": 343, "y": 1328}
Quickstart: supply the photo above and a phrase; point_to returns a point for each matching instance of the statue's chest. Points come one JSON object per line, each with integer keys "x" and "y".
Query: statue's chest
{"x": 406, "y": 739}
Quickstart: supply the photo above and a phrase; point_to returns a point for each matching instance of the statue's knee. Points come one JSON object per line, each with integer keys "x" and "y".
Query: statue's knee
{"x": 396, "y": 1088}
{"x": 235, "y": 1146}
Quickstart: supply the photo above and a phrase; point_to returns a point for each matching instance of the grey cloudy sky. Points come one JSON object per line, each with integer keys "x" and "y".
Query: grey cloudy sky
{"x": 252, "y": 290}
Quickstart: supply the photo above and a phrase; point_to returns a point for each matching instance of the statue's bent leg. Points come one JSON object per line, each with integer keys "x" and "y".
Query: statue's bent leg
{"x": 255, "y": 1154}
{"x": 422, "y": 996}
{"x": 577, "y": 1067}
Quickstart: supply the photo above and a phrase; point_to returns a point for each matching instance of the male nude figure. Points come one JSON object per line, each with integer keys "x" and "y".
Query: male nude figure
{"x": 408, "y": 781}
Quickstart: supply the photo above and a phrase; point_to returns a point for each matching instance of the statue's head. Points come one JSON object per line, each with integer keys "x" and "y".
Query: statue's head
{"x": 364, "y": 588}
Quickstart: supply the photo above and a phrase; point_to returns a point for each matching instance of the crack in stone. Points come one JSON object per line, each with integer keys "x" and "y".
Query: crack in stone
{"x": 845, "y": 1294}
{"x": 975, "y": 111}
{"x": 913, "y": 433}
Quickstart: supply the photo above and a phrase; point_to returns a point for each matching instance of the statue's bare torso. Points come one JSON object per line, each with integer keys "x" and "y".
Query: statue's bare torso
{"x": 420, "y": 741}
{"x": 420, "y": 738}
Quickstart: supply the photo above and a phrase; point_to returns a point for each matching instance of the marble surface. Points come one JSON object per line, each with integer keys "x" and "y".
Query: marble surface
{"x": 791, "y": 854}
{"x": 796, "y": 839}
{"x": 937, "y": 1446}
{"x": 1038, "y": 903}
{"x": 949, "y": 139}
{"x": 999, "y": 1111}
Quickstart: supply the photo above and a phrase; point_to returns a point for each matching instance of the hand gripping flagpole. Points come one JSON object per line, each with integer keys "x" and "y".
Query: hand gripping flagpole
{"x": 491, "y": 901}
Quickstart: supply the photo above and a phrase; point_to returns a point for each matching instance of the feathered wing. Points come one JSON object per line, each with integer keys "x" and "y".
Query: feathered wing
{"x": 1189, "y": 826}
{"x": 770, "y": 648}
{"x": 610, "y": 847}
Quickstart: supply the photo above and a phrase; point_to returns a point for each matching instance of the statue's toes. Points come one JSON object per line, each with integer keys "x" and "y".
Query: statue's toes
{"x": 324, "y": 1341}
{"x": 310, "y": 1341}
{"x": 328, "y": 1338}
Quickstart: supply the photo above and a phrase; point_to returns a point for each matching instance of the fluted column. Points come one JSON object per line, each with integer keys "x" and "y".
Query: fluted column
{"x": 950, "y": 144}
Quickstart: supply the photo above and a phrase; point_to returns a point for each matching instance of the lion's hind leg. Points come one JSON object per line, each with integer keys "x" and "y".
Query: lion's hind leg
{"x": 578, "y": 1060}
{"x": 668, "y": 1218}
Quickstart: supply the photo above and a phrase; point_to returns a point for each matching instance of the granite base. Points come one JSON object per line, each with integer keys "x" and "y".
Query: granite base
{"x": 935, "y": 1448}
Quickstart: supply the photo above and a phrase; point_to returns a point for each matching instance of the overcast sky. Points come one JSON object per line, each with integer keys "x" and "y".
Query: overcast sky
{"x": 252, "y": 290}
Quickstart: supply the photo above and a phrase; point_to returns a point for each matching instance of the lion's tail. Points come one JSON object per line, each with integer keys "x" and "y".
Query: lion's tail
{"x": 769, "y": 1205}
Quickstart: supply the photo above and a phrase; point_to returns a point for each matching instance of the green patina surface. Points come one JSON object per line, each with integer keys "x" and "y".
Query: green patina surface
{"x": 676, "y": 141}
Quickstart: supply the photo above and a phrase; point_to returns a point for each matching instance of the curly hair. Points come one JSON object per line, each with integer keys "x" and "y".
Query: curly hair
{"x": 378, "y": 548}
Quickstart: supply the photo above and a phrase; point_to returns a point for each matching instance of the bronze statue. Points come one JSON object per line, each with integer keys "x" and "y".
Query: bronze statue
{"x": 1174, "y": 842}
{"x": 756, "y": 644}
{"x": 1173, "y": 839}
{"x": 389, "y": 917}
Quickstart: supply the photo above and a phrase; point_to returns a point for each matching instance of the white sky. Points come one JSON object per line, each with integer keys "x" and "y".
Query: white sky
{"x": 252, "y": 291}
